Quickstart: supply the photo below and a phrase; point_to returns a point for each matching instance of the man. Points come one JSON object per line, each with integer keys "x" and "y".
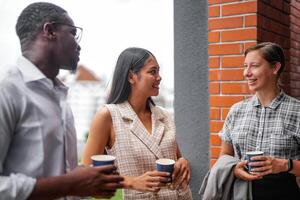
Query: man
{"x": 38, "y": 155}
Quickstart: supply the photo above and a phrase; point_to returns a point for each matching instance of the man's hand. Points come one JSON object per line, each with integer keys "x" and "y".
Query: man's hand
{"x": 95, "y": 181}
{"x": 82, "y": 181}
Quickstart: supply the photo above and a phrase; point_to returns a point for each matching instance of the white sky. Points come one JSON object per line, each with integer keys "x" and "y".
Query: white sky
{"x": 109, "y": 26}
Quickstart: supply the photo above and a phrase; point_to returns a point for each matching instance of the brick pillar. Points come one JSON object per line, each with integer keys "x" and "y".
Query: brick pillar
{"x": 294, "y": 68}
{"x": 273, "y": 22}
{"x": 233, "y": 26}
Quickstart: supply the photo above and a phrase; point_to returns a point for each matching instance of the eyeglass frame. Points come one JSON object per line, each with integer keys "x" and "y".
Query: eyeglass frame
{"x": 78, "y": 38}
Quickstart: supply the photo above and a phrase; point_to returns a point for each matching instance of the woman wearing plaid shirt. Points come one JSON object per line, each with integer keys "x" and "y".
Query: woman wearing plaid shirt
{"x": 136, "y": 131}
{"x": 270, "y": 122}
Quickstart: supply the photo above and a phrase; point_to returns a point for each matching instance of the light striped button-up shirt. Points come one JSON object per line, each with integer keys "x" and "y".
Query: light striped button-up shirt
{"x": 37, "y": 134}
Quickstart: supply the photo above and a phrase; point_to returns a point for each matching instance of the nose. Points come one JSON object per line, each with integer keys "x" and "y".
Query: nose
{"x": 158, "y": 77}
{"x": 247, "y": 71}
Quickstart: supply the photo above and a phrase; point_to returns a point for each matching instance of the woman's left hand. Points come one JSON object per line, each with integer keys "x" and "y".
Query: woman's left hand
{"x": 264, "y": 165}
{"x": 181, "y": 174}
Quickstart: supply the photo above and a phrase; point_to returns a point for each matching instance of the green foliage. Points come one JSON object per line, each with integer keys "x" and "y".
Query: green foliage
{"x": 118, "y": 196}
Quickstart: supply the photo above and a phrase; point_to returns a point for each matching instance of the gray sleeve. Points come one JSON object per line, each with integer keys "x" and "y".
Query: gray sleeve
{"x": 14, "y": 186}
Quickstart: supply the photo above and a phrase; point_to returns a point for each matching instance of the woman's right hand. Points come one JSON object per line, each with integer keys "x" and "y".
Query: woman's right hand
{"x": 241, "y": 173}
{"x": 150, "y": 181}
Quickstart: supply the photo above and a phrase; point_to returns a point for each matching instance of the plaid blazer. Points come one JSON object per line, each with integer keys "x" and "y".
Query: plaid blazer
{"x": 136, "y": 150}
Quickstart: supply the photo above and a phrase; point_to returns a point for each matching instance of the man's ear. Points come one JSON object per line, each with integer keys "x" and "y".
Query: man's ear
{"x": 131, "y": 77}
{"x": 49, "y": 31}
{"x": 277, "y": 67}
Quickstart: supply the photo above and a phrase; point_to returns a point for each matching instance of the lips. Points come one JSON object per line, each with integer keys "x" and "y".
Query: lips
{"x": 156, "y": 86}
{"x": 251, "y": 81}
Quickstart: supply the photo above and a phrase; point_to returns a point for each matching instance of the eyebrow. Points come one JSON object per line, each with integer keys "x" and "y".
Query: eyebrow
{"x": 252, "y": 63}
{"x": 156, "y": 67}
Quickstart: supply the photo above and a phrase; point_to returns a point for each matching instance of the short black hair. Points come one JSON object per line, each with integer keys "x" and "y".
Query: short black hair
{"x": 131, "y": 59}
{"x": 271, "y": 52}
{"x": 33, "y": 17}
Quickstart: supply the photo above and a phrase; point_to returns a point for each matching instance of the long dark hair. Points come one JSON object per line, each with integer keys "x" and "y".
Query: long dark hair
{"x": 131, "y": 59}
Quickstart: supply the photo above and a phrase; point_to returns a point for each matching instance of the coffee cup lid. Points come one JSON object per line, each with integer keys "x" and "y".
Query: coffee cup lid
{"x": 165, "y": 161}
{"x": 254, "y": 153}
{"x": 103, "y": 157}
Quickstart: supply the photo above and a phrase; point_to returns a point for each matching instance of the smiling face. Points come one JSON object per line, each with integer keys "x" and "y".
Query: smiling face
{"x": 146, "y": 81}
{"x": 259, "y": 73}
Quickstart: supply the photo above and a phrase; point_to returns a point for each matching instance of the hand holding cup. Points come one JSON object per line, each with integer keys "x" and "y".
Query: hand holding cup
{"x": 165, "y": 165}
{"x": 102, "y": 160}
{"x": 249, "y": 156}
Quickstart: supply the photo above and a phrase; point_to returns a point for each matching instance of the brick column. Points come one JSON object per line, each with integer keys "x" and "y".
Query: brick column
{"x": 294, "y": 68}
{"x": 235, "y": 25}
{"x": 273, "y": 22}
{"x": 232, "y": 28}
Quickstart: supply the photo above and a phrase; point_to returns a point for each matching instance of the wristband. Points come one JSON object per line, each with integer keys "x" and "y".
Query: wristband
{"x": 290, "y": 165}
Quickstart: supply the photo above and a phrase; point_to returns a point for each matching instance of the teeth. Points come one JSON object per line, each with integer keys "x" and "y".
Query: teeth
{"x": 251, "y": 81}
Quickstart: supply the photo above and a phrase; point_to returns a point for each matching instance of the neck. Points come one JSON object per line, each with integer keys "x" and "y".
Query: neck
{"x": 138, "y": 104}
{"x": 39, "y": 53}
{"x": 266, "y": 97}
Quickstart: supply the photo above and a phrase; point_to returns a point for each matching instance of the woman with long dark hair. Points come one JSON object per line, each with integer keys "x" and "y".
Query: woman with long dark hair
{"x": 132, "y": 128}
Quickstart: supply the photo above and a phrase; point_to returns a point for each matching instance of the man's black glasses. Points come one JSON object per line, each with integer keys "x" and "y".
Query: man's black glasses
{"x": 77, "y": 33}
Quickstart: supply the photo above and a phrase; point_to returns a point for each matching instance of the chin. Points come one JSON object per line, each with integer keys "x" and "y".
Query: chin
{"x": 252, "y": 89}
{"x": 255, "y": 89}
{"x": 155, "y": 94}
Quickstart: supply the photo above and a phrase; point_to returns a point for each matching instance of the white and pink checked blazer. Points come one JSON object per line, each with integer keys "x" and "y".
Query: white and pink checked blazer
{"x": 136, "y": 150}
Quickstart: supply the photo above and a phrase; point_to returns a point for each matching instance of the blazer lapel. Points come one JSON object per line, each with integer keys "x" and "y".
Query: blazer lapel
{"x": 158, "y": 125}
{"x": 137, "y": 128}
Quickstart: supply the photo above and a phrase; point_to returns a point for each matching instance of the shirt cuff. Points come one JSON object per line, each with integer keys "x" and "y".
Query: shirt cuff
{"x": 17, "y": 186}
{"x": 27, "y": 186}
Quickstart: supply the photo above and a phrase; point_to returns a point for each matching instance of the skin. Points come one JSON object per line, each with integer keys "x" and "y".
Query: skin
{"x": 144, "y": 84}
{"x": 262, "y": 78}
{"x": 51, "y": 49}
{"x": 54, "y": 48}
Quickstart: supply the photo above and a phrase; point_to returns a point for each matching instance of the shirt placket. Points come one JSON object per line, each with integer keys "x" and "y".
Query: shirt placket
{"x": 61, "y": 99}
{"x": 261, "y": 129}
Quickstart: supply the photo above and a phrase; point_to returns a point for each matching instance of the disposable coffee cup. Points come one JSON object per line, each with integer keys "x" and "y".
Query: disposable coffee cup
{"x": 248, "y": 157}
{"x": 165, "y": 165}
{"x": 101, "y": 160}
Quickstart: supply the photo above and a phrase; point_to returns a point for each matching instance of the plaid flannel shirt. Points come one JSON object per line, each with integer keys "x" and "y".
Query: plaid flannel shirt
{"x": 274, "y": 129}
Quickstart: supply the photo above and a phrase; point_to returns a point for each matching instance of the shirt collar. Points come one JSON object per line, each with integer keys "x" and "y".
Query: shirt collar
{"x": 60, "y": 85}
{"x": 28, "y": 70}
{"x": 127, "y": 111}
{"x": 31, "y": 73}
{"x": 274, "y": 103}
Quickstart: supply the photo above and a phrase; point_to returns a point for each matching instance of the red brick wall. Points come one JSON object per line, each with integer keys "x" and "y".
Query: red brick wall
{"x": 273, "y": 22}
{"x": 293, "y": 84}
{"x": 233, "y": 26}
